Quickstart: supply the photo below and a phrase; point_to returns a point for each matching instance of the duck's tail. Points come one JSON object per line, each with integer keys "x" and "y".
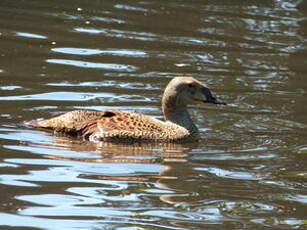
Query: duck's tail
{"x": 32, "y": 123}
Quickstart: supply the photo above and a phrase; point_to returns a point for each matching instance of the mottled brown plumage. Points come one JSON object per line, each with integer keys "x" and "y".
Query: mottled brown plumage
{"x": 114, "y": 125}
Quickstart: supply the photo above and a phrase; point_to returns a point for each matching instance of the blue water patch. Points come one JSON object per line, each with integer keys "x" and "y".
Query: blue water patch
{"x": 30, "y": 35}
{"x": 115, "y": 52}
{"x": 94, "y": 65}
{"x": 58, "y": 96}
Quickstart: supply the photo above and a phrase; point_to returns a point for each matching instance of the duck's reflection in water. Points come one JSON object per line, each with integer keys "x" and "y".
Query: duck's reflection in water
{"x": 172, "y": 157}
{"x": 122, "y": 153}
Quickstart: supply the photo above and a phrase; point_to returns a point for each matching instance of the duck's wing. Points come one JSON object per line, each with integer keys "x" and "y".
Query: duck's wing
{"x": 122, "y": 122}
{"x": 131, "y": 127}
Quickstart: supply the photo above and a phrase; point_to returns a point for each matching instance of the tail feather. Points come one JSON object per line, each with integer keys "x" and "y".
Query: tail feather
{"x": 32, "y": 123}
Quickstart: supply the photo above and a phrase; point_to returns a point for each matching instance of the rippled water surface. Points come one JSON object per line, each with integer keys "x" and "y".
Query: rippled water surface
{"x": 247, "y": 171}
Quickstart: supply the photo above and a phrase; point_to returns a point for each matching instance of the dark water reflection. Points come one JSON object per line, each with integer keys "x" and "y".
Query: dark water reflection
{"x": 248, "y": 171}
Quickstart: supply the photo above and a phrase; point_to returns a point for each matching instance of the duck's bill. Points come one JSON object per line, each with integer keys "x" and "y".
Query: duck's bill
{"x": 213, "y": 100}
{"x": 210, "y": 98}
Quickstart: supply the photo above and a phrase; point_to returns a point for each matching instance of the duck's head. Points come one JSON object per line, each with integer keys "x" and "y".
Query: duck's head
{"x": 183, "y": 91}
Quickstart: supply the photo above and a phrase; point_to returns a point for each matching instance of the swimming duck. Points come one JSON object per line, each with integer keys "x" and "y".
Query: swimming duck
{"x": 119, "y": 126}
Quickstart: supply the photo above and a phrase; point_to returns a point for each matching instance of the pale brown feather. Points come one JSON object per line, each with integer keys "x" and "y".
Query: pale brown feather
{"x": 112, "y": 125}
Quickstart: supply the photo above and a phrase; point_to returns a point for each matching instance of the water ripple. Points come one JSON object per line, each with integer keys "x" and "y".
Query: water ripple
{"x": 83, "y": 51}
{"x": 130, "y": 8}
{"x": 30, "y": 35}
{"x": 118, "y": 33}
{"x": 59, "y": 96}
{"x": 84, "y": 64}
{"x": 108, "y": 20}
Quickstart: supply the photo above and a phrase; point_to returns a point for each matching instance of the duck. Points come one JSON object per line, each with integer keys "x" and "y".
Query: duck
{"x": 120, "y": 126}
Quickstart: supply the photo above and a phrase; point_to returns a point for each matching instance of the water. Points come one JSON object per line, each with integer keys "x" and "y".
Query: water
{"x": 248, "y": 171}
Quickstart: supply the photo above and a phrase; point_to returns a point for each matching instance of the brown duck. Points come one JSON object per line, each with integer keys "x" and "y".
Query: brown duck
{"x": 119, "y": 126}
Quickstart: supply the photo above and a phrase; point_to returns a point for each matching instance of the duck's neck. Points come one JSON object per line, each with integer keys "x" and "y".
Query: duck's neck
{"x": 178, "y": 115}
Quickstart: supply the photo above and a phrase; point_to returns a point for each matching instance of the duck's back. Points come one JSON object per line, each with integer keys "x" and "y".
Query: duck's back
{"x": 114, "y": 125}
